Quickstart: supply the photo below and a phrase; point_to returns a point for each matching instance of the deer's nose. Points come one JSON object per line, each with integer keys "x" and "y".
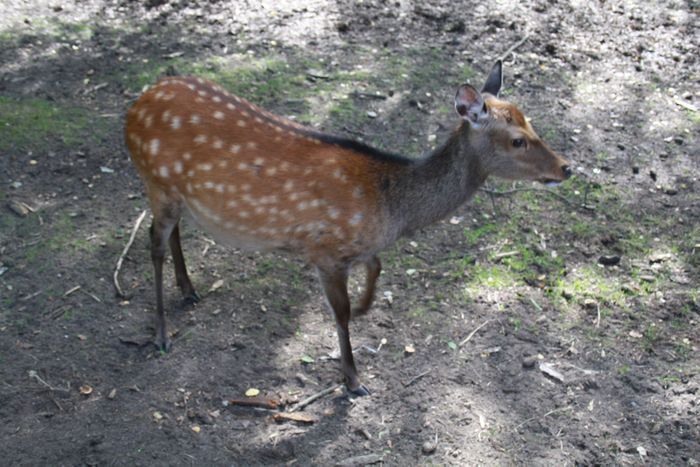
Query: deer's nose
{"x": 566, "y": 170}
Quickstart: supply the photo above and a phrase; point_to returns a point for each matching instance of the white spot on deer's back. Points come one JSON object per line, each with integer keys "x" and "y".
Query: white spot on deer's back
{"x": 154, "y": 146}
{"x": 195, "y": 119}
{"x": 235, "y": 148}
{"x": 356, "y": 219}
{"x": 205, "y": 167}
{"x": 219, "y": 115}
{"x": 163, "y": 171}
{"x": 199, "y": 139}
{"x": 241, "y": 123}
{"x": 218, "y": 144}
{"x": 175, "y": 123}
{"x": 177, "y": 167}
{"x": 187, "y": 156}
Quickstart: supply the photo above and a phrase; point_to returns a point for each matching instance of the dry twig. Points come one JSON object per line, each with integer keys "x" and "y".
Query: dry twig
{"x": 416, "y": 378}
{"x": 512, "y": 48}
{"x": 300, "y": 405}
{"x": 471, "y": 334}
{"x": 117, "y": 287}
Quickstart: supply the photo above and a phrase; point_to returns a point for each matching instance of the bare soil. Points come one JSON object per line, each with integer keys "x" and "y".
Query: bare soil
{"x": 569, "y": 361}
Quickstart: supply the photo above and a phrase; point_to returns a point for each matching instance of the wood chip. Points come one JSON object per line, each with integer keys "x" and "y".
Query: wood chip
{"x": 300, "y": 417}
{"x": 549, "y": 370}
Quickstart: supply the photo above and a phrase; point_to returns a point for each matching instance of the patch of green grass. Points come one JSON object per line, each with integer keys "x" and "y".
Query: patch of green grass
{"x": 589, "y": 282}
{"x": 473, "y": 235}
{"x": 694, "y": 117}
{"x": 489, "y": 277}
{"x": 650, "y": 337}
{"x": 36, "y": 124}
{"x": 531, "y": 264}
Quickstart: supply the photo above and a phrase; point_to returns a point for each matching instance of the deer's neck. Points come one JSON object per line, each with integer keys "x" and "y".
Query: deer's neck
{"x": 435, "y": 186}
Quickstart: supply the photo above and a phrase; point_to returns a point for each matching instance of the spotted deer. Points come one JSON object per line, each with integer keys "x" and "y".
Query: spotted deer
{"x": 257, "y": 181}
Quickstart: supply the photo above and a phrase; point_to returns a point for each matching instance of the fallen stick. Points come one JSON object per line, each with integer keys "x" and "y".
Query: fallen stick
{"x": 269, "y": 404}
{"x": 299, "y": 417}
{"x": 300, "y": 405}
{"x": 416, "y": 378}
{"x": 77, "y": 287}
{"x": 512, "y": 48}
{"x": 117, "y": 287}
{"x": 471, "y": 334}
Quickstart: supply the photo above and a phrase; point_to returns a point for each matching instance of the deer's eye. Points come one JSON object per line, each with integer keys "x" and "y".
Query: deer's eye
{"x": 518, "y": 142}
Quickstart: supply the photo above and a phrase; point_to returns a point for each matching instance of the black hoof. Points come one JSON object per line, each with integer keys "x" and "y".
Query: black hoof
{"x": 163, "y": 345}
{"x": 191, "y": 298}
{"x": 360, "y": 391}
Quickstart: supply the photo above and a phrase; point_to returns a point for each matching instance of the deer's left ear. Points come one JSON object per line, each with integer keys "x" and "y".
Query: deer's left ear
{"x": 471, "y": 106}
{"x": 495, "y": 80}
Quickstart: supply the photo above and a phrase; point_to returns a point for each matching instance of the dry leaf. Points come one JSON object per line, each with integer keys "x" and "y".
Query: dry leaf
{"x": 216, "y": 285}
{"x": 389, "y": 297}
{"x": 252, "y": 392}
{"x": 85, "y": 390}
{"x": 157, "y": 416}
{"x": 409, "y": 349}
{"x": 196, "y": 428}
{"x": 635, "y": 334}
{"x": 112, "y": 394}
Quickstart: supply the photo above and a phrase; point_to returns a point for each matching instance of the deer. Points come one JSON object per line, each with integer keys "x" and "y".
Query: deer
{"x": 260, "y": 182}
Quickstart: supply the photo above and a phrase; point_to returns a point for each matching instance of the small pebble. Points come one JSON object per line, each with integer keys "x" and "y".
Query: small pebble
{"x": 428, "y": 447}
{"x": 529, "y": 361}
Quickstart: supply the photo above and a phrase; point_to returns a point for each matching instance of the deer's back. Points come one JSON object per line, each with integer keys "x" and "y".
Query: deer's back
{"x": 255, "y": 179}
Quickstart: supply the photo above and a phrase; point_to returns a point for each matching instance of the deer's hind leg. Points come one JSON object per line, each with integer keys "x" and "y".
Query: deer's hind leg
{"x": 373, "y": 268}
{"x": 189, "y": 295}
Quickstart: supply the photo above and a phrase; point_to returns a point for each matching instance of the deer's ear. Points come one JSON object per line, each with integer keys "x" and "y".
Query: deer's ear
{"x": 471, "y": 106}
{"x": 495, "y": 80}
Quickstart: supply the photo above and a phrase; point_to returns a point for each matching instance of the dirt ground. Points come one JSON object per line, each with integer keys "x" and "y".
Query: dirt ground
{"x": 531, "y": 327}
